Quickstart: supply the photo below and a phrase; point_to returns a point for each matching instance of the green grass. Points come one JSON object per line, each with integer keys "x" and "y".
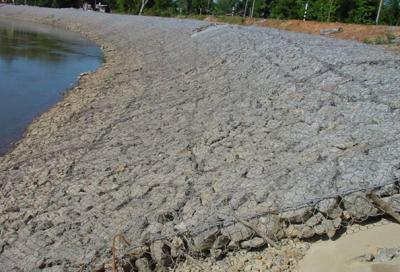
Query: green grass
{"x": 386, "y": 39}
{"x": 234, "y": 20}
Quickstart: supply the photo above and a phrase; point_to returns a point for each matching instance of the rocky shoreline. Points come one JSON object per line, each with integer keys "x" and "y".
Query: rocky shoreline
{"x": 189, "y": 125}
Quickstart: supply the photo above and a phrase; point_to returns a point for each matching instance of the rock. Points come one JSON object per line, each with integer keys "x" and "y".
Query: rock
{"x": 271, "y": 226}
{"x": 358, "y": 206}
{"x": 253, "y": 243}
{"x": 329, "y": 228}
{"x": 300, "y": 231}
{"x": 158, "y": 253}
{"x": 139, "y": 251}
{"x": 319, "y": 229}
{"x": 388, "y": 190}
{"x": 177, "y": 245}
{"x": 143, "y": 265}
{"x": 326, "y": 205}
{"x": 233, "y": 246}
{"x": 328, "y": 31}
{"x": 315, "y": 220}
{"x": 216, "y": 253}
{"x": 221, "y": 241}
{"x": 297, "y": 216}
{"x": 387, "y": 254}
{"x": 366, "y": 258}
{"x": 205, "y": 240}
{"x": 237, "y": 232}
{"x": 394, "y": 201}
{"x": 330, "y": 208}
{"x": 337, "y": 222}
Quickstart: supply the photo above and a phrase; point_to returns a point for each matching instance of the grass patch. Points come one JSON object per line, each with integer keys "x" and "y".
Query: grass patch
{"x": 388, "y": 38}
{"x": 234, "y": 20}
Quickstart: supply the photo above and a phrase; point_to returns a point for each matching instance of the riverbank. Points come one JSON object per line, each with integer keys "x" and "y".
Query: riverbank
{"x": 188, "y": 123}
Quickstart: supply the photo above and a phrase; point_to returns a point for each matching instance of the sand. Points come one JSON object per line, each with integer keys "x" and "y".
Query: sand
{"x": 342, "y": 255}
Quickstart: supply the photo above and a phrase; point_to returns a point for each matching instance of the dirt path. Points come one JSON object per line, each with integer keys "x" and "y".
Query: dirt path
{"x": 187, "y": 123}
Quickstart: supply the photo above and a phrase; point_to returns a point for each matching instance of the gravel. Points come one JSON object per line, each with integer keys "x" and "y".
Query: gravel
{"x": 187, "y": 122}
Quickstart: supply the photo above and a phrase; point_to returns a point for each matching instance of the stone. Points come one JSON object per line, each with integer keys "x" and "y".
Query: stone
{"x": 253, "y": 243}
{"x": 319, "y": 229}
{"x": 299, "y": 231}
{"x": 387, "y": 254}
{"x": 139, "y": 251}
{"x": 387, "y": 190}
{"x": 237, "y": 232}
{"x": 221, "y": 242}
{"x": 297, "y": 216}
{"x": 205, "y": 240}
{"x": 143, "y": 265}
{"x": 271, "y": 226}
{"x": 394, "y": 201}
{"x": 158, "y": 253}
{"x": 315, "y": 220}
{"x": 329, "y": 228}
{"x": 176, "y": 246}
{"x": 358, "y": 206}
{"x": 326, "y": 205}
{"x": 216, "y": 253}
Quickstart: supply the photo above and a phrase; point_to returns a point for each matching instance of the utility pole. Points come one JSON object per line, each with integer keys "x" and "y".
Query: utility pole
{"x": 252, "y": 9}
{"x": 379, "y": 11}
{"x": 245, "y": 8}
{"x": 305, "y": 11}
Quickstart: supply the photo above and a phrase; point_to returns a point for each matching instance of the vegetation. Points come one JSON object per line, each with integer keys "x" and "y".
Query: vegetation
{"x": 386, "y": 39}
{"x": 349, "y": 11}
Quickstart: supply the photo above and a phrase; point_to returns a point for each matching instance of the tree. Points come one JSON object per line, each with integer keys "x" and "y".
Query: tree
{"x": 322, "y": 10}
{"x": 129, "y": 6}
{"x": 391, "y": 12}
{"x": 364, "y": 11}
{"x": 286, "y": 9}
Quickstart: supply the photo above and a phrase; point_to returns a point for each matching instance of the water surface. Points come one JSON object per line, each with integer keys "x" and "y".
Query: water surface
{"x": 37, "y": 63}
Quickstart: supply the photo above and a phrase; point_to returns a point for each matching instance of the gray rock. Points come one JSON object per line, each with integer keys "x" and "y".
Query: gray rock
{"x": 143, "y": 265}
{"x": 315, "y": 220}
{"x": 158, "y": 253}
{"x": 330, "y": 208}
{"x": 387, "y": 254}
{"x": 394, "y": 201}
{"x": 205, "y": 240}
{"x": 237, "y": 232}
{"x": 297, "y": 216}
{"x": 319, "y": 229}
{"x": 270, "y": 225}
{"x": 253, "y": 243}
{"x": 388, "y": 190}
{"x": 358, "y": 206}
{"x": 221, "y": 242}
{"x": 329, "y": 227}
{"x": 300, "y": 231}
{"x": 216, "y": 253}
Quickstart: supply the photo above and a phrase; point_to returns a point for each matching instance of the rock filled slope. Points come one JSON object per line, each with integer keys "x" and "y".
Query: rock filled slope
{"x": 187, "y": 122}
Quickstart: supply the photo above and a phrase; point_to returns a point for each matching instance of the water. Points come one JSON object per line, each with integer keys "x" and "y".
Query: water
{"x": 37, "y": 63}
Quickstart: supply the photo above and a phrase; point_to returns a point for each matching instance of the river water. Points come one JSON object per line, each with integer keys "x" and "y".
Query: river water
{"x": 37, "y": 63}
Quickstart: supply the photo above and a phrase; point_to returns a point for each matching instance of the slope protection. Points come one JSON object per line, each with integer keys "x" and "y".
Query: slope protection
{"x": 187, "y": 123}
